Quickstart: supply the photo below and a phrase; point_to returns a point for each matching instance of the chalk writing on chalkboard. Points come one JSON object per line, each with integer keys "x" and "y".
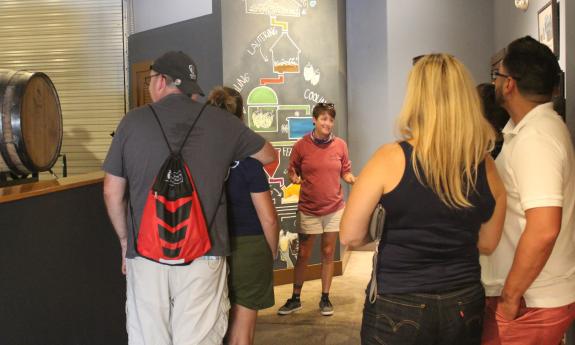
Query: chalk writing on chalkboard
{"x": 241, "y": 81}
{"x": 256, "y": 45}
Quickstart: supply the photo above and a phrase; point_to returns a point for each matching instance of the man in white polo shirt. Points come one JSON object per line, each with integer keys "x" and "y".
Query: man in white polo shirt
{"x": 531, "y": 274}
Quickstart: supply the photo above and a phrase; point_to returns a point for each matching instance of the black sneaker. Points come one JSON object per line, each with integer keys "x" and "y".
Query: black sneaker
{"x": 325, "y": 307}
{"x": 290, "y": 306}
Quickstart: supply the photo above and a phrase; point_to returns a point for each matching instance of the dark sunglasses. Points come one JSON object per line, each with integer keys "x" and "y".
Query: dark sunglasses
{"x": 326, "y": 105}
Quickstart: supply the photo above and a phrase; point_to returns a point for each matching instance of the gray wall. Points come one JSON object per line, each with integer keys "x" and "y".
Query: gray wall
{"x": 511, "y": 23}
{"x": 200, "y": 37}
{"x": 382, "y": 38}
{"x": 151, "y": 14}
{"x": 369, "y": 121}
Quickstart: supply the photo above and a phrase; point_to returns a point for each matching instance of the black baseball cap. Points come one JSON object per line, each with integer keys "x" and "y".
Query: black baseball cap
{"x": 182, "y": 69}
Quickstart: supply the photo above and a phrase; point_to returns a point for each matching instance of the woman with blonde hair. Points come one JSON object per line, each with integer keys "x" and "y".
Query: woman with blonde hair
{"x": 444, "y": 205}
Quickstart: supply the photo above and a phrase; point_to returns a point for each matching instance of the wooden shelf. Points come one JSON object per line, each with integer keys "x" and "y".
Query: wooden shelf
{"x": 29, "y": 190}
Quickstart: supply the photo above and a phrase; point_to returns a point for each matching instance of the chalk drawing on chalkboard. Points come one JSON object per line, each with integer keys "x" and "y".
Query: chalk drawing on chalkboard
{"x": 291, "y": 193}
{"x": 263, "y": 119}
{"x": 304, "y": 107}
{"x": 275, "y": 191}
{"x": 299, "y": 126}
{"x": 292, "y": 8}
{"x": 263, "y": 109}
{"x": 276, "y": 80}
{"x": 285, "y": 55}
{"x": 311, "y": 74}
{"x": 282, "y": 24}
{"x": 262, "y": 95}
{"x": 272, "y": 167}
{"x": 277, "y": 184}
{"x": 288, "y": 246}
{"x": 286, "y": 212}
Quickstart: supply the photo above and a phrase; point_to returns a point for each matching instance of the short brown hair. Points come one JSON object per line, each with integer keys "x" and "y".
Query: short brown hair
{"x": 321, "y": 108}
{"x": 228, "y": 99}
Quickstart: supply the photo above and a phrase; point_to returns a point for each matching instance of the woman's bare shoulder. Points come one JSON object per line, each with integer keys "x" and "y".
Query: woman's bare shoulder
{"x": 388, "y": 164}
{"x": 389, "y": 152}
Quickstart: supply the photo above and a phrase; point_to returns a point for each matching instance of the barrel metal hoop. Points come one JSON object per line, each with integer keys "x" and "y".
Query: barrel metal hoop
{"x": 6, "y": 111}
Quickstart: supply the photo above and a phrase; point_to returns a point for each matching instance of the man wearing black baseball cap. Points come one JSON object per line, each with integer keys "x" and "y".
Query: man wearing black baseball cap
{"x": 176, "y": 304}
{"x": 181, "y": 69}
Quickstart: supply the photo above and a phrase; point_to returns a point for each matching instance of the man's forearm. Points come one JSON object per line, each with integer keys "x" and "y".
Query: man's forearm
{"x": 117, "y": 212}
{"x": 266, "y": 155}
{"x": 532, "y": 253}
{"x": 114, "y": 192}
{"x": 530, "y": 258}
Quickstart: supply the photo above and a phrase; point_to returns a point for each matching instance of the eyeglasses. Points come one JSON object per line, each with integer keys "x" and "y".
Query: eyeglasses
{"x": 495, "y": 74}
{"x": 148, "y": 78}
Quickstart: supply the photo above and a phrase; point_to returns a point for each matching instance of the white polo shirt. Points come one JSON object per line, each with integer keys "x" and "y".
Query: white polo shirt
{"x": 537, "y": 166}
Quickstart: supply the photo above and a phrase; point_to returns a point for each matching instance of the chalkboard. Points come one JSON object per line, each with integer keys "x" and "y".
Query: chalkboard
{"x": 283, "y": 56}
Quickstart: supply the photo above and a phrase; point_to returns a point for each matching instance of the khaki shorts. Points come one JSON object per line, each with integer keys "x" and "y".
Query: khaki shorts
{"x": 174, "y": 305}
{"x": 317, "y": 225}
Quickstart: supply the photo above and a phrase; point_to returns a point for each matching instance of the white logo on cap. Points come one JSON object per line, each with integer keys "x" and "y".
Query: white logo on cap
{"x": 192, "y": 73}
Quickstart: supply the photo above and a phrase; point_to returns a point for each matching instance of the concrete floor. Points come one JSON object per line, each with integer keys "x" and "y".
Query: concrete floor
{"x": 307, "y": 326}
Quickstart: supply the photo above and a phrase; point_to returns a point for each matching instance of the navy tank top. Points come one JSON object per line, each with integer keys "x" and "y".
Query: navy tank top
{"x": 426, "y": 246}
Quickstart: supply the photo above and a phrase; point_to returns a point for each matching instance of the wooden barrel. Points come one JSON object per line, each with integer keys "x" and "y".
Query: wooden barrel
{"x": 30, "y": 122}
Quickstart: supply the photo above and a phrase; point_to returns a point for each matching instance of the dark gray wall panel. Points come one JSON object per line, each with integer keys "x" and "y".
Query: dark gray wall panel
{"x": 60, "y": 280}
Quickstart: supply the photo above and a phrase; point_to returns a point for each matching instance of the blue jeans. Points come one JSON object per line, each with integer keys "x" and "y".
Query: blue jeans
{"x": 454, "y": 317}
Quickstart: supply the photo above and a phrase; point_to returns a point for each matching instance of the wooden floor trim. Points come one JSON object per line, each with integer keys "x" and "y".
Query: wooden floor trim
{"x": 285, "y": 276}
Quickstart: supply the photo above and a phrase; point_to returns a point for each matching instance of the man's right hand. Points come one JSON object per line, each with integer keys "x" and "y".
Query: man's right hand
{"x": 116, "y": 205}
{"x": 508, "y": 308}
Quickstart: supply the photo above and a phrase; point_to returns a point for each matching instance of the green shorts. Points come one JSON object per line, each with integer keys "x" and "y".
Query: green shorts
{"x": 251, "y": 272}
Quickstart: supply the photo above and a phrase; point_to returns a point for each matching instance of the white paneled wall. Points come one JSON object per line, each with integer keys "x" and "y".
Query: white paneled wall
{"x": 79, "y": 44}
{"x": 151, "y": 14}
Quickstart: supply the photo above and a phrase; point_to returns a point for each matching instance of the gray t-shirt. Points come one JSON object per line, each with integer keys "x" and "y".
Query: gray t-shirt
{"x": 138, "y": 151}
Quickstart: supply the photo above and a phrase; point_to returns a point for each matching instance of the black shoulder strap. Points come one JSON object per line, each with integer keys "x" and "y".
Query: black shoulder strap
{"x": 135, "y": 238}
{"x": 193, "y": 125}
{"x": 187, "y": 134}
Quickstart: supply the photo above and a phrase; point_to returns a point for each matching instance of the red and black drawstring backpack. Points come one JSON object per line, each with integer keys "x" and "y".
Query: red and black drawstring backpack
{"x": 173, "y": 228}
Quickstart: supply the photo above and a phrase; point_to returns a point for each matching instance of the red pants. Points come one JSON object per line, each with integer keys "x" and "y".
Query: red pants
{"x": 533, "y": 326}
